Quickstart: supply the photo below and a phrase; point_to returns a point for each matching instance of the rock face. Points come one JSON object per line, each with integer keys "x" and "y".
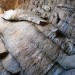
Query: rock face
{"x": 38, "y": 40}
{"x": 3, "y": 51}
{"x": 27, "y": 16}
{"x": 55, "y": 34}
{"x": 70, "y": 72}
{"x": 10, "y": 64}
{"x": 32, "y": 52}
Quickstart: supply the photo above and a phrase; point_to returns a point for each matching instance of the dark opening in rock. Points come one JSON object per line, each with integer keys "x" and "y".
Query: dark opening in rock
{"x": 59, "y": 34}
{"x": 3, "y": 55}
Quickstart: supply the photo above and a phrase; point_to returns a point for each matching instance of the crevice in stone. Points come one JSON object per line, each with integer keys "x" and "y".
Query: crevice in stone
{"x": 59, "y": 34}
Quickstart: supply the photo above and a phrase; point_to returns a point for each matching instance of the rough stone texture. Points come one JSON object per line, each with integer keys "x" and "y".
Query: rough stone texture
{"x": 58, "y": 35}
{"x": 28, "y": 16}
{"x": 3, "y": 51}
{"x": 24, "y": 40}
{"x": 4, "y": 72}
{"x": 34, "y": 53}
{"x": 68, "y": 63}
{"x": 69, "y": 72}
{"x": 1, "y": 66}
{"x": 55, "y": 70}
{"x": 10, "y": 64}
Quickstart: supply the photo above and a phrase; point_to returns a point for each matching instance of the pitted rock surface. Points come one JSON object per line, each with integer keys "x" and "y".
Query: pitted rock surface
{"x": 38, "y": 38}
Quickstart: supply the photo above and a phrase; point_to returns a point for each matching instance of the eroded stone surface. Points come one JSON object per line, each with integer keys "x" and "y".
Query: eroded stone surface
{"x": 10, "y": 64}
{"x": 69, "y": 72}
{"x": 58, "y": 13}
{"x": 30, "y": 51}
{"x": 68, "y": 64}
{"x": 27, "y": 16}
{"x": 3, "y": 51}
